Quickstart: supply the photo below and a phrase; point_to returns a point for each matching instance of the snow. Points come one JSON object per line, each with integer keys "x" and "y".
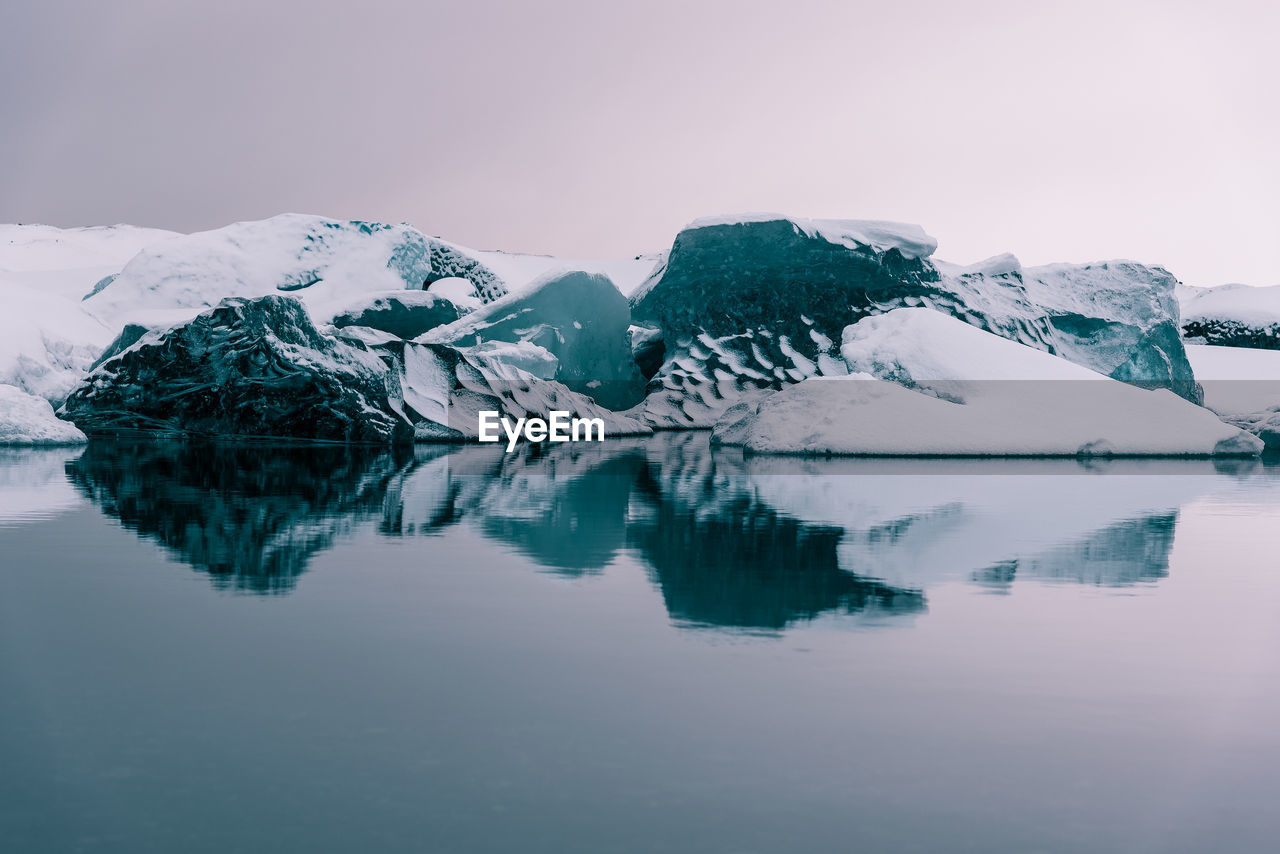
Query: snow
{"x": 925, "y": 383}
{"x": 458, "y": 291}
{"x": 997, "y": 265}
{"x": 1244, "y": 304}
{"x": 910, "y": 240}
{"x": 70, "y": 261}
{"x": 520, "y": 271}
{"x": 327, "y": 263}
{"x": 29, "y": 420}
{"x": 47, "y": 338}
{"x": 47, "y": 341}
{"x": 1237, "y": 380}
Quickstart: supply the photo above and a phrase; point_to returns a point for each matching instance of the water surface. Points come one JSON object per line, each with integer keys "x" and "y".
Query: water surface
{"x": 637, "y": 646}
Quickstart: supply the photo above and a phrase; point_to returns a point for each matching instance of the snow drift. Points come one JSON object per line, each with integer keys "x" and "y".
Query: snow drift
{"x": 29, "y": 420}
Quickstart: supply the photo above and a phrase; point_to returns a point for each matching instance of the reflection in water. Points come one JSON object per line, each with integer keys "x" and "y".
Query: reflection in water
{"x": 33, "y": 485}
{"x": 1133, "y": 551}
{"x": 729, "y": 542}
{"x": 251, "y": 517}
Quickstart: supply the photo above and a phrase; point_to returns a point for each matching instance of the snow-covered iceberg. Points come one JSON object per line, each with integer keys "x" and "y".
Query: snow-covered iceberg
{"x": 47, "y": 341}
{"x": 925, "y": 383}
{"x": 758, "y": 302}
{"x": 1232, "y": 315}
{"x": 248, "y": 368}
{"x": 29, "y": 420}
{"x": 47, "y": 338}
{"x": 327, "y": 263}
{"x": 579, "y": 317}
{"x": 68, "y": 262}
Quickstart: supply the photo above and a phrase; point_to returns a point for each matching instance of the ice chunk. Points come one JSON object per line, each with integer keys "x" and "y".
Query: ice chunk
{"x": 929, "y": 384}
{"x": 29, "y": 420}
{"x": 1232, "y": 315}
{"x": 244, "y": 369}
{"x": 580, "y": 318}
{"x": 404, "y": 314}
{"x": 910, "y": 240}
{"x": 445, "y": 389}
{"x": 772, "y": 290}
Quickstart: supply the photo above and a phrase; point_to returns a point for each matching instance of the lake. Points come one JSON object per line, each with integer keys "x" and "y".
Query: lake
{"x": 644, "y": 645}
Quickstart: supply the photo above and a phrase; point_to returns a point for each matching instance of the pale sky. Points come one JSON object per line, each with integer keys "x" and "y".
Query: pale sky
{"x": 1066, "y": 131}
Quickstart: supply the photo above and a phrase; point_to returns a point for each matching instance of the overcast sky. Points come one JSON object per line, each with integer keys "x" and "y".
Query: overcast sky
{"x": 1068, "y": 131}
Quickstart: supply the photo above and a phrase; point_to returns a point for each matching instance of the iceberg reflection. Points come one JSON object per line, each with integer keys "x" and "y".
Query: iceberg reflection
{"x": 729, "y": 541}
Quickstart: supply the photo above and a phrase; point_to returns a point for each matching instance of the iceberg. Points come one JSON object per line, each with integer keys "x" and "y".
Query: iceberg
{"x": 29, "y": 420}
{"x": 47, "y": 341}
{"x": 923, "y": 383}
{"x": 248, "y": 368}
{"x": 69, "y": 262}
{"x": 578, "y": 317}
{"x": 325, "y": 262}
{"x": 1232, "y": 316}
{"x": 758, "y": 302}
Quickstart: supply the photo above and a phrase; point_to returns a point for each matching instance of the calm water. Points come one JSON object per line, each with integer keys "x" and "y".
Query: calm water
{"x": 641, "y": 646}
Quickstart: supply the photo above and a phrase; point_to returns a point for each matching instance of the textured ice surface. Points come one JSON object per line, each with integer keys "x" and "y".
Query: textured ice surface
{"x": 578, "y": 317}
{"x": 445, "y": 389}
{"x": 404, "y": 314}
{"x": 929, "y": 384}
{"x": 29, "y": 420}
{"x": 757, "y": 302}
{"x": 247, "y": 368}
{"x": 910, "y": 240}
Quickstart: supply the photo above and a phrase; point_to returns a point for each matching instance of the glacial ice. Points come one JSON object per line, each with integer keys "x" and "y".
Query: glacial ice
{"x": 69, "y": 262}
{"x": 1232, "y": 315}
{"x": 47, "y": 341}
{"x": 29, "y": 420}
{"x": 327, "y": 263}
{"x": 247, "y": 368}
{"x": 755, "y": 302}
{"x": 578, "y": 317}
{"x": 925, "y": 383}
{"x": 445, "y": 388}
{"x": 404, "y": 314}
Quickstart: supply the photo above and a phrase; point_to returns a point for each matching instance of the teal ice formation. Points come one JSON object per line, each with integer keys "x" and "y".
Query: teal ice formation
{"x": 780, "y": 335}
